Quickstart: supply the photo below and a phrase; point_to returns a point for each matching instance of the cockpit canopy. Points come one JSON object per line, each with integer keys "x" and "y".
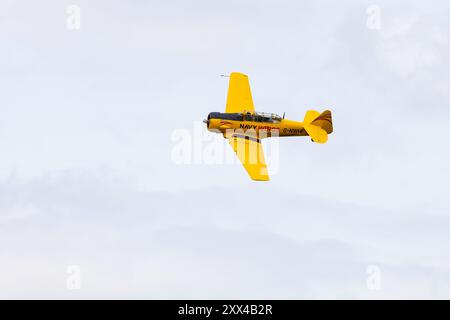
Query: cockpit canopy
{"x": 266, "y": 117}
{"x": 248, "y": 116}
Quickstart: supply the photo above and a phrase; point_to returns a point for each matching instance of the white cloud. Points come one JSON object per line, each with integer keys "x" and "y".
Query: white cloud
{"x": 256, "y": 244}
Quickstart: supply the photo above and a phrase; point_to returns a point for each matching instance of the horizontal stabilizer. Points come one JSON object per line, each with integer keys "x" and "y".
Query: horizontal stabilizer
{"x": 318, "y": 125}
{"x": 316, "y": 133}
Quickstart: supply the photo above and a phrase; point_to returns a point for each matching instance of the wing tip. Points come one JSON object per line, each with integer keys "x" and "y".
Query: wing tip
{"x": 261, "y": 179}
{"x": 262, "y": 175}
{"x": 238, "y": 74}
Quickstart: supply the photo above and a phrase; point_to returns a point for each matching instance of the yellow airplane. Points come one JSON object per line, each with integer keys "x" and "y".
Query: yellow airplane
{"x": 244, "y": 128}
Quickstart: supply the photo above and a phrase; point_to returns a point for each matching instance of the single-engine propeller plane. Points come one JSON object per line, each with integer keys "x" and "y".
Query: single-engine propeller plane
{"x": 244, "y": 127}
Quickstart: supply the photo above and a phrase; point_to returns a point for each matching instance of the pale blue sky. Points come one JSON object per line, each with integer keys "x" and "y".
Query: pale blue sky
{"x": 85, "y": 141}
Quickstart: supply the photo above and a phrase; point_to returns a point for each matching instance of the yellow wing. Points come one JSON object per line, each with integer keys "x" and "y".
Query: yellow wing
{"x": 250, "y": 152}
{"x": 239, "y": 94}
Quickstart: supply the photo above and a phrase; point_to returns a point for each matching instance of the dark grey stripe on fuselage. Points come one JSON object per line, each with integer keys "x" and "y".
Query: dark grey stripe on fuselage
{"x": 226, "y": 116}
{"x": 243, "y": 136}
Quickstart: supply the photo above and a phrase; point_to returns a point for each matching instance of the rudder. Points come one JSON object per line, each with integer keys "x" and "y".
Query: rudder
{"x": 325, "y": 121}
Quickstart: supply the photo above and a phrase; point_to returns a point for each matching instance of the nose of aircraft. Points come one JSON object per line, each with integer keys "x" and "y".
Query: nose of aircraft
{"x": 207, "y": 122}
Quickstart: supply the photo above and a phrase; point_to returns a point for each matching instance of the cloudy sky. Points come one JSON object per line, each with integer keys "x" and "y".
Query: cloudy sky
{"x": 90, "y": 118}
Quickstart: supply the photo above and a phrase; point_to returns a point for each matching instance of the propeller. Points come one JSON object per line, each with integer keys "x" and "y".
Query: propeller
{"x": 284, "y": 114}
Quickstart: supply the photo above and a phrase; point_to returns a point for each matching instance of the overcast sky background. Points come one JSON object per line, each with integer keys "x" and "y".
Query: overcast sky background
{"x": 87, "y": 177}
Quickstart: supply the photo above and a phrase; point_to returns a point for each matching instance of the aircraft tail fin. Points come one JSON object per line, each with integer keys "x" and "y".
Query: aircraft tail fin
{"x": 318, "y": 125}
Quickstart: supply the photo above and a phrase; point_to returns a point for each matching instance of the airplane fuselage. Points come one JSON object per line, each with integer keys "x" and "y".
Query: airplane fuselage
{"x": 221, "y": 123}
